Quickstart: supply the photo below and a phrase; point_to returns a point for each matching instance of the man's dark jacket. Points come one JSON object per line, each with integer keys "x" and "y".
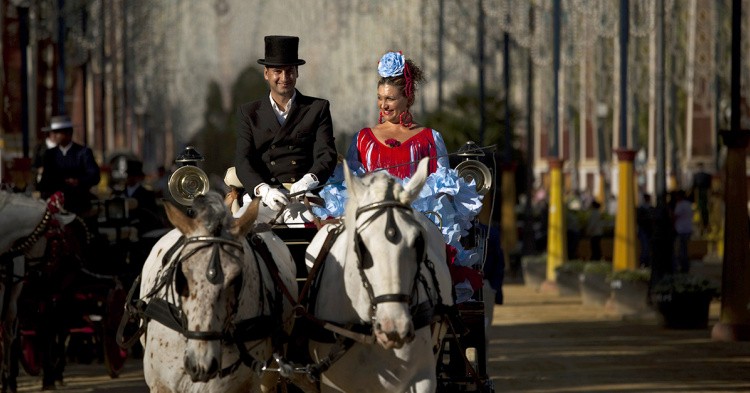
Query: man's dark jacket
{"x": 78, "y": 163}
{"x": 268, "y": 152}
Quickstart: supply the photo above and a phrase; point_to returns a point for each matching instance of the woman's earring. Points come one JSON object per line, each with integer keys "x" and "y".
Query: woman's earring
{"x": 406, "y": 119}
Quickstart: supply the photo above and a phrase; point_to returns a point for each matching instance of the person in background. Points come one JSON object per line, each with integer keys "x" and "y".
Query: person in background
{"x": 38, "y": 164}
{"x": 595, "y": 230}
{"x": 645, "y": 221}
{"x": 285, "y": 141}
{"x": 700, "y": 193}
{"x": 145, "y": 214}
{"x": 682, "y": 217}
{"x": 160, "y": 184}
{"x": 68, "y": 167}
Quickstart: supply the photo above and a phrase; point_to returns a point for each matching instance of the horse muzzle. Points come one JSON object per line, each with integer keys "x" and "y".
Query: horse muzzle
{"x": 201, "y": 371}
{"x": 393, "y": 326}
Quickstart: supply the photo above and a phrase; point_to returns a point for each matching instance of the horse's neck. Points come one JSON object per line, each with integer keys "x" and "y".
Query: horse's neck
{"x": 20, "y": 215}
{"x": 341, "y": 297}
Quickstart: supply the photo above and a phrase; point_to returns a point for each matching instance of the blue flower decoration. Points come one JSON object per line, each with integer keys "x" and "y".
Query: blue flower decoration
{"x": 391, "y": 64}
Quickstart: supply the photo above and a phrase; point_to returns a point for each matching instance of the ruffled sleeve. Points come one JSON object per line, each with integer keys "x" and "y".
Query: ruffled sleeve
{"x": 442, "y": 151}
{"x": 353, "y": 159}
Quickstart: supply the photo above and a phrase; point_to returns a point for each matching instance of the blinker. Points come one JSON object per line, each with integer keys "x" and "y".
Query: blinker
{"x": 213, "y": 272}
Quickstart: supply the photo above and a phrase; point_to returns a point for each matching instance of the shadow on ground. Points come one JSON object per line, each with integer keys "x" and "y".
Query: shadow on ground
{"x": 532, "y": 350}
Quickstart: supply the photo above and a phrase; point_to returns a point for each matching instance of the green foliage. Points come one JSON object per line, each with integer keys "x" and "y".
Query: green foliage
{"x": 599, "y": 267}
{"x": 459, "y": 120}
{"x": 534, "y": 259}
{"x": 572, "y": 266}
{"x": 643, "y": 275}
{"x": 684, "y": 284}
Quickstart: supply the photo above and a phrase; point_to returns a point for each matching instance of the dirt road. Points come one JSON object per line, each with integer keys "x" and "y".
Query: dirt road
{"x": 544, "y": 343}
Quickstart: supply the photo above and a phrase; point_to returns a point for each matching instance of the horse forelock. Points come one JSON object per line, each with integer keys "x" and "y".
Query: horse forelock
{"x": 212, "y": 213}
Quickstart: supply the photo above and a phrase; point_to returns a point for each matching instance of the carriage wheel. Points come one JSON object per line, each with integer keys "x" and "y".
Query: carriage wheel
{"x": 114, "y": 355}
{"x": 31, "y": 359}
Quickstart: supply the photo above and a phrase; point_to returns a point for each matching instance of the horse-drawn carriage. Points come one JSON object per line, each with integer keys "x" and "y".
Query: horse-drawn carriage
{"x": 63, "y": 285}
{"x": 228, "y": 304}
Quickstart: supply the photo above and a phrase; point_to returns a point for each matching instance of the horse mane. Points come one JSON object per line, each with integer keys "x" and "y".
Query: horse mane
{"x": 212, "y": 213}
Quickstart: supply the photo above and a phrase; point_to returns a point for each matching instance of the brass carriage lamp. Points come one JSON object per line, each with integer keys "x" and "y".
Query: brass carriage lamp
{"x": 188, "y": 181}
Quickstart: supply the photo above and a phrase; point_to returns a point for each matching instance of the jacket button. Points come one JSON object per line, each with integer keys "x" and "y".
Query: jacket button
{"x": 293, "y": 180}
{"x": 291, "y": 147}
{"x": 273, "y": 180}
{"x": 294, "y": 162}
{"x": 273, "y": 162}
{"x": 273, "y": 146}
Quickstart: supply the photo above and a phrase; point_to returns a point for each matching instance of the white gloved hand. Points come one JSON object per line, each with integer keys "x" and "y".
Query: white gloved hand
{"x": 305, "y": 184}
{"x": 272, "y": 197}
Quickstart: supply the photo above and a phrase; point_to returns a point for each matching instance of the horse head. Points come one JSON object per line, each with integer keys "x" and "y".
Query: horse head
{"x": 388, "y": 245}
{"x": 208, "y": 278}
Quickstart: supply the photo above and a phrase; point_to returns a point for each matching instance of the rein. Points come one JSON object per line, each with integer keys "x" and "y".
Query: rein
{"x": 21, "y": 246}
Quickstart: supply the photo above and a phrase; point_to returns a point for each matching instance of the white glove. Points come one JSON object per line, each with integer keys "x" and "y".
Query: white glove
{"x": 271, "y": 196}
{"x": 305, "y": 184}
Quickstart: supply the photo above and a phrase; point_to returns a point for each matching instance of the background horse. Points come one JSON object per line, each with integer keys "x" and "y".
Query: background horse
{"x": 51, "y": 249}
{"x": 214, "y": 285}
{"x": 20, "y": 216}
{"x": 388, "y": 262}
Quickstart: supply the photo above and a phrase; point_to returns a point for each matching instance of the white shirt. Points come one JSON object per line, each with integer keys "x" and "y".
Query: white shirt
{"x": 282, "y": 115}
{"x": 64, "y": 149}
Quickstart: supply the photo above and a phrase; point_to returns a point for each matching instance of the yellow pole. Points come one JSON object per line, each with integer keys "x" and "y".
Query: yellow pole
{"x": 625, "y": 232}
{"x": 557, "y": 252}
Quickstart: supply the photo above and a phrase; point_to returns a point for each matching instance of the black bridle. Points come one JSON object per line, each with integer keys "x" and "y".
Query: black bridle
{"x": 394, "y": 236}
{"x": 214, "y": 275}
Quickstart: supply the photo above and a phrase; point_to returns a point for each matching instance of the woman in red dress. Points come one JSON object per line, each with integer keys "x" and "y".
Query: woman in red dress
{"x": 396, "y": 143}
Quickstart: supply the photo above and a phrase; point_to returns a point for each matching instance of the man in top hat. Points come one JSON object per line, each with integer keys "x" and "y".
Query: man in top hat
{"x": 285, "y": 140}
{"x": 145, "y": 215}
{"x": 68, "y": 167}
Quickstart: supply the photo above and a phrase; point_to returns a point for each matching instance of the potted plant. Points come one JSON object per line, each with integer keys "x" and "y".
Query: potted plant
{"x": 568, "y": 277}
{"x": 534, "y": 270}
{"x": 629, "y": 291}
{"x": 595, "y": 288}
{"x": 683, "y": 300}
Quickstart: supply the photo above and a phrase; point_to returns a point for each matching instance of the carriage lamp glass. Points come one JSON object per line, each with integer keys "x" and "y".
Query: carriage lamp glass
{"x": 116, "y": 209}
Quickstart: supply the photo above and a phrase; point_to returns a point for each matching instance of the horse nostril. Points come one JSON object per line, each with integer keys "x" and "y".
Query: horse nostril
{"x": 214, "y": 367}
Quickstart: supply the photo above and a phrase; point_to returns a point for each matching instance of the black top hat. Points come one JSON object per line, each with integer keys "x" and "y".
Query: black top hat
{"x": 59, "y": 123}
{"x": 135, "y": 169}
{"x": 281, "y": 51}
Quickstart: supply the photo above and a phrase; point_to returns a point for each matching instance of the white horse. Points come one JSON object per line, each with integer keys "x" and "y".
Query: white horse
{"x": 23, "y": 224}
{"x": 19, "y": 216}
{"x": 386, "y": 269}
{"x": 207, "y": 281}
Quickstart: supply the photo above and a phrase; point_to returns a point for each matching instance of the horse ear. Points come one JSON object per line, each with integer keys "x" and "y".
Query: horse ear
{"x": 181, "y": 221}
{"x": 243, "y": 224}
{"x": 414, "y": 186}
{"x": 351, "y": 183}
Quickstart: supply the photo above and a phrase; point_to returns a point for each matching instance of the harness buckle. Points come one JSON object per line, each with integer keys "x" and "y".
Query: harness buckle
{"x": 299, "y": 311}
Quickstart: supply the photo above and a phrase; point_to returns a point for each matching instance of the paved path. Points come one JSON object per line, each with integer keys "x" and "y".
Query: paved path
{"x": 547, "y": 343}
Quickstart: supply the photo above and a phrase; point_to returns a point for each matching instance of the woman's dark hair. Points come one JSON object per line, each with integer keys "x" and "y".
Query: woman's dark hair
{"x": 399, "y": 81}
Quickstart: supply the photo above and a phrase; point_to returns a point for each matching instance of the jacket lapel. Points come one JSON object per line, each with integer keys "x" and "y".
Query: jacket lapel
{"x": 286, "y": 131}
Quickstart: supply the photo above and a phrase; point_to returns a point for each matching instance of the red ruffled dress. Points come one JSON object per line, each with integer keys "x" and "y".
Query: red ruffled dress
{"x": 394, "y": 156}
{"x": 400, "y": 158}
